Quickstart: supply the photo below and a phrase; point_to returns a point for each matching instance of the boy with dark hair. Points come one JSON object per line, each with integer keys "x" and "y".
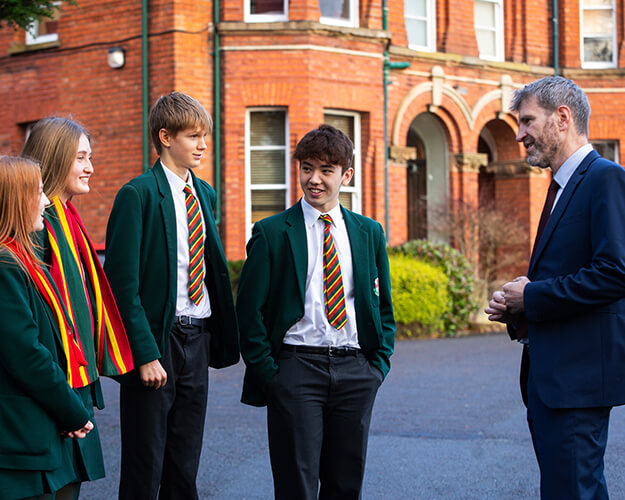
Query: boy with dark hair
{"x": 317, "y": 327}
{"x": 168, "y": 272}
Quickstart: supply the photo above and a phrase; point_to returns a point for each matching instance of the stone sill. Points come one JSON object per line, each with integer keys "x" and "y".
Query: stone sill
{"x": 574, "y": 73}
{"x": 16, "y": 49}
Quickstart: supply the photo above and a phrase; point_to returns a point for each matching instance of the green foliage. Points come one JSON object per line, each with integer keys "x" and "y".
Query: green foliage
{"x": 420, "y": 295}
{"x": 460, "y": 277}
{"x": 22, "y": 13}
{"x": 234, "y": 269}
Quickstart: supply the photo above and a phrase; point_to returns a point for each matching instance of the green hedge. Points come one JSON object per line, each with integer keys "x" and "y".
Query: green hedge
{"x": 420, "y": 296}
{"x": 460, "y": 277}
{"x": 457, "y": 288}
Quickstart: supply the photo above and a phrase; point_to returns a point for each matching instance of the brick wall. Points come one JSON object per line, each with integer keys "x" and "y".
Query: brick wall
{"x": 304, "y": 67}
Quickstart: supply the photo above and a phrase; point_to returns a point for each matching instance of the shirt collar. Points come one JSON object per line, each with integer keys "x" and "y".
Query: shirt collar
{"x": 311, "y": 214}
{"x": 565, "y": 171}
{"x": 175, "y": 182}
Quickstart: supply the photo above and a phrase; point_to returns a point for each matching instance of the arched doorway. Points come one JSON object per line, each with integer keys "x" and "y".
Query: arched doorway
{"x": 500, "y": 239}
{"x": 427, "y": 177}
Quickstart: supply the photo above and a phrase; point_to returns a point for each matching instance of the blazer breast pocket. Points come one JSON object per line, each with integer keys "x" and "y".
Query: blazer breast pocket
{"x": 577, "y": 217}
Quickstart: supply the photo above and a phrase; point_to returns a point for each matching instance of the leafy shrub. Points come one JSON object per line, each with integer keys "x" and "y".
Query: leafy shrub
{"x": 420, "y": 295}
{"x": 460, "y": 277}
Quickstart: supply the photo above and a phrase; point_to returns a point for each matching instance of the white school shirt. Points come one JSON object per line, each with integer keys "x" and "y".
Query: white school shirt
{"x": 566, "y": 170}
{"x": 313, "y": 329}
{"x": 184, "y": 305}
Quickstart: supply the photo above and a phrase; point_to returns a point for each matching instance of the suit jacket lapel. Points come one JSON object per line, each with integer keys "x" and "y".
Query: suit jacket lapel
{"x": 296, "y": 235}
{"x": 212, "y": 235}
{"x": 359, "y": 244}
{"x": 562, "y": 204}
{"x": 169, "y": 222}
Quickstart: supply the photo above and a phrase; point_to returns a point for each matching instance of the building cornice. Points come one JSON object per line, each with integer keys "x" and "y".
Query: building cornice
{"x": 302, "y": 27}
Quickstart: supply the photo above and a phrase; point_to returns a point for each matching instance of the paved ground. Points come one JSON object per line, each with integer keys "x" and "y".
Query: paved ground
{"x": 448, "y": 424}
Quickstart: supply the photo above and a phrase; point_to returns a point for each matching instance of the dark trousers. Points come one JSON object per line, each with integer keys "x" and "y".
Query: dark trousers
{"x": 569, "y": 445}
{"x": 162, "y": 429}
{"x": 318, "y": 414}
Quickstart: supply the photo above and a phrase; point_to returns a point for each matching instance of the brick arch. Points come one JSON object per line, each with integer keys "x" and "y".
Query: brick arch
{"x": 275, "y": 93}
{"x": 490, "y": 111}
{"x": 421, "y": 102}
{"x": 504, "y": 137}
{"x": 451, "y": 125}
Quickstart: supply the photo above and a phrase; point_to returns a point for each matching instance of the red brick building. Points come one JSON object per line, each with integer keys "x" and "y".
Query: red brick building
{"x": 281, "y": 67}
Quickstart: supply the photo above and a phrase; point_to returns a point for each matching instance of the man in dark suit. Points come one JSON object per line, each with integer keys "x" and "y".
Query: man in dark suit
{"x": 168, "y": 272}
{"x": 569, "y": 310}
{"x": 317, "y": 327}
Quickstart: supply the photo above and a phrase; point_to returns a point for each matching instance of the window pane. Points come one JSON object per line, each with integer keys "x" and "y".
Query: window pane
{"x": 598, "y": 3}
{"x": 267, "y": 6}
{"x": 606, "y": 149}
{"x": 345, "y": 199}
{"x": 267, "y": 167}
{"x": 48, "y": 26}
{"x": 416, "y": 8}
{"x": 266, "y": 203}
{"x": 267, "y": 128}
{"x": 598, "y": 22}
{"x": 486, "y": 42}
{"x": 598, "y": 50}
{"x": 417, "y": 32}
{"x": 485, "y": 14}
{"x": 343, "y": 123}
{"x": 44, "y": 29}
{"x": 334, "y": 8}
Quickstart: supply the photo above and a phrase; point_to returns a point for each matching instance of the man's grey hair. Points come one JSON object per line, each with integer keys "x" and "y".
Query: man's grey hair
{"x": 554, "y": 91}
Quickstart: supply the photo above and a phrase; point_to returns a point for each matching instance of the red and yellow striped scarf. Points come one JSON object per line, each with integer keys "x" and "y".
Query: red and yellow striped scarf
{"x": 113, "y": 354}
{"x": 71, "y": 343}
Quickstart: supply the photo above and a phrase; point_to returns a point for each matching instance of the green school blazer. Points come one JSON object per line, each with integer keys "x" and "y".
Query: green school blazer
{"x": 271, "y": 293}
{"x": 140, "y": 264}
{"x": 36, "y": 402}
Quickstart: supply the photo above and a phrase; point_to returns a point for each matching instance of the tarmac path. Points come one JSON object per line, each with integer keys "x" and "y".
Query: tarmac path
{"x": 448, "y": 423}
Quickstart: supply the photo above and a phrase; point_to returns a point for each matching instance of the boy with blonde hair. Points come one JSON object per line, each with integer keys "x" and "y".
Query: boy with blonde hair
{"x": 168, "y": 272}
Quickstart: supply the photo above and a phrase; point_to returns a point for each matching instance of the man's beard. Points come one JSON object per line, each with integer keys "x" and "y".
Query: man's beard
{"x": 544, "y": 150}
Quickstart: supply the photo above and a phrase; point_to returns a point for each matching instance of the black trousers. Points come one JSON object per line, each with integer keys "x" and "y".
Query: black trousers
{"x": 162, "y": 429}
{"x": 318, "y": 415}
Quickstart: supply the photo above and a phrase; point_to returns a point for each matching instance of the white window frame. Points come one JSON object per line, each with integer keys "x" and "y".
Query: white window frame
{"x": 265, "y": 18}
{"x": 498, "y": 29}
{"x": 614, "y": 142}
{"x": 352, "y": 22}
{"x": 248, "y": 171}
{"x": 597, "y": 64}
{"x": 356, "y": 189}
{"x": 32, "y": 33}
{"x": 430, "y": 22}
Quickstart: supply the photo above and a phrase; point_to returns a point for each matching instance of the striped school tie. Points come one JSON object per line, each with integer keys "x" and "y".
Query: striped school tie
{"x": 332, "y": 281}
{"x": 196, "y": 247}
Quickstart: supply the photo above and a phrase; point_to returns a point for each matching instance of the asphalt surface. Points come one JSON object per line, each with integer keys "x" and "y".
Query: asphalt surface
{"x": 448, "y": 423}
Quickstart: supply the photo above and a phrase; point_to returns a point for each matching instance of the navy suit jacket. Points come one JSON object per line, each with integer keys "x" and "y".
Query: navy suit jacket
{"x": 575, "y": 303}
